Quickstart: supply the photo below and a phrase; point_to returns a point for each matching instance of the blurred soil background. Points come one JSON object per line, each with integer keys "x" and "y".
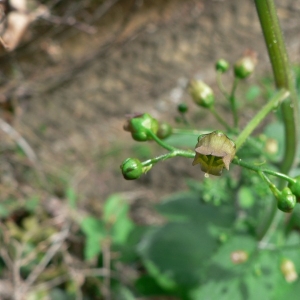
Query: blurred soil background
{"x": 80, "y": 66}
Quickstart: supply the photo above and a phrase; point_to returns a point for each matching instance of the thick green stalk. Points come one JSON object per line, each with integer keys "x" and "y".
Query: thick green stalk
{"x": 283, "y": 79}
{"x": 282, "y": 75}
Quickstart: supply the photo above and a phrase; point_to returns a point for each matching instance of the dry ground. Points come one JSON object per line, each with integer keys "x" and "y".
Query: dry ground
{"x": 70, "y": 90}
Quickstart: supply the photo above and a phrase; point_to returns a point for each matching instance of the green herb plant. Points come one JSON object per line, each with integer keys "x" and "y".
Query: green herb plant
{"x": 234, "y": 236}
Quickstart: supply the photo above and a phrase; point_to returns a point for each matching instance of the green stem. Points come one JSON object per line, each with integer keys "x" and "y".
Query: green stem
{"x": 219, "y": 118}
{"x": 160, "y": 142}
{"x": 233, "y": 102}
{"x": 221, "y": 86}
{"x": 284, "y": 79}
{"x": 273, "y": 103}
{"x": 189, "y": 131}
{"x": 251, "y": 166}
{"x": 173, "y": 153}
{"x": 184, "y": 119}
{"x": 271, "y": 185}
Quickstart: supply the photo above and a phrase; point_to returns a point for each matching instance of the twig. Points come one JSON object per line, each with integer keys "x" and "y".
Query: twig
{"x": 51, "y": 283}
{"x": 58, "y": 240}
{"x": 104, "y": 8}
{"x": 17, "y": 137}
{"x": 69, "y": 21}
{"x": 106, "y": 264}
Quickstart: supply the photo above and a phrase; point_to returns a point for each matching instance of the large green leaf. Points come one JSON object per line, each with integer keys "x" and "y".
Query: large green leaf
{"x": 188, "y": 206}
{"x": 255, "y": 279}
{"x": 175, "y": 253}
{"x": 186, "y": 140}
{"x": 276, "y": 131}
{"x": 115, "y": 215}
{"x": 95, "y": 233}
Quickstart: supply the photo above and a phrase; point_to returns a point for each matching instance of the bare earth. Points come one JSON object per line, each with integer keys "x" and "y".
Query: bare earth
{"x": 71, "y": 104}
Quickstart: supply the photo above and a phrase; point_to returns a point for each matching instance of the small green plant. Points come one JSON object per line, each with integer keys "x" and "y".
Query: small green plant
{"x": 229, "y": 237}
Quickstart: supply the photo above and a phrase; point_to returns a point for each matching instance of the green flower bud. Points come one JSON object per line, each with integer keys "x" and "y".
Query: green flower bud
{"x": 131, "y": 168}
{"x": 239, "y": 257}
{"x": 288, "y": 270}
{"x": 140, "y": 125}
{"x": 201, "y": 93}
{"x": 182, "y": 108}
{"x": 214, "y": 151}
{"x": 295, "y": 187}
{"x": 245, "y": 66}
{"x": 286, "y": 200}
{"x": 164, "y": 130}
{"x": 222, "y": 65}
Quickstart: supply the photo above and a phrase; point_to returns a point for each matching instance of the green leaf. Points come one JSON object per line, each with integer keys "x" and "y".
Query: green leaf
{"x": 32, "y": 204}
{"x": 255, "y": 279}
{"x": 187, "y": 206}
{"x": 95, "y": 234}
{"x": 176, "y": 252}
{"x": 223, "y": 256}
{"x": 123, "y": 293}
{"x": 115, "y": 215}
{"x": 276, "y": 131}
{"x": 4, "y": 212}
{"x": 92, "y": 247}
{"x": 186, "y": 140}
{"x": 148, "y": 286}
{"x": 72, "y": 197}
{"x": 92, "y": 226}
{"x": 215, "y": 190}
{"x": 253, "y": 92}
{"x": 113, "y": 206}
{"x": 225, "y": 290}
{"x": 245, "y": 197}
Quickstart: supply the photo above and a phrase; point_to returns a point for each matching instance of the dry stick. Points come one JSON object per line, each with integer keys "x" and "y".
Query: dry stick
{"x": 23, "y": 144}
{"x": 17, "y": 137}
{"x": 18, "y": 295}
{"x": 50, "y": 284}
{"x": 106, "y": 264}
{"x": 104, "y": 8}
{"x": 69, "y": 21}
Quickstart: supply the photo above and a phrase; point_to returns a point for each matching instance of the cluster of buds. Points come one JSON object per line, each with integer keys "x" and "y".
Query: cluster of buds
{"x": 139, "y": 126}
{"x": 142, "y": 128}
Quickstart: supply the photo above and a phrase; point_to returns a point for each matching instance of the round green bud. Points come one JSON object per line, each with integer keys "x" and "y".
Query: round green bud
{"x": 245, "y": 66}
{"x": 140, "y": 125}
{"x": 131, "y": 168}
{"x": 182, "y": 108}
{"x": 201, "y": 94}
{"x": 222, "y": 65}
{"x": 164, "y": 130}
{"x": 295, "y": 187}
{"x": 288, "y": 270}
{"x": 286, "y": 201}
